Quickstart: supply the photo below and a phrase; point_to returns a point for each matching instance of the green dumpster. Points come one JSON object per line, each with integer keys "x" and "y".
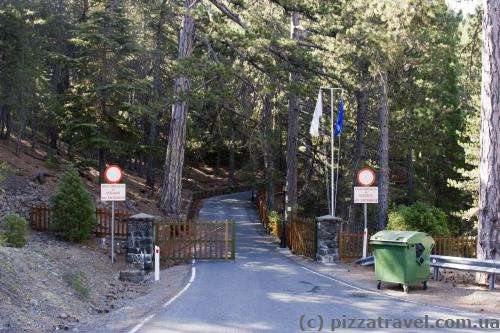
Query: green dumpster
{"x": 402, "y": 257}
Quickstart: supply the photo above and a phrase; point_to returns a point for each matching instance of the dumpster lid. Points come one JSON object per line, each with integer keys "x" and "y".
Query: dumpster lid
{"x": 407, "y": 237}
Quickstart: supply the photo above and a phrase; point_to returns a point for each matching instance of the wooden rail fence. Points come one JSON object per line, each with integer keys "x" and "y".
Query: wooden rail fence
{"x": 41, "y": 216}
{"x": 197, "y": 240}
{"x": 300, "y": 233}
{"x": 464, "y": 246}
{"x": 303, "y": 236}
{"x": 351, "y": 246}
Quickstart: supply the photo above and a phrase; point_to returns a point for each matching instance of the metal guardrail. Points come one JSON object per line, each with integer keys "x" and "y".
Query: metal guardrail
{"x": 490, "y": 267}
{"x": 368, "y": 261}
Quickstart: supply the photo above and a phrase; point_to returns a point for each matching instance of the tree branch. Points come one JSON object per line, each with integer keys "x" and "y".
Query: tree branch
{"x": 226, "y": 11}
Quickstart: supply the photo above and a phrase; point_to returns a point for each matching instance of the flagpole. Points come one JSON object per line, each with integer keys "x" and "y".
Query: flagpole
{"x": 332, "y": 156}
{"x": 338, "y": 162}
{"x": 337, "y": 176}
{"x": 333, "y": 185}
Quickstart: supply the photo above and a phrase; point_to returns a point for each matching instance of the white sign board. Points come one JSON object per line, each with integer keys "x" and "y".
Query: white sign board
{"x": 113, "y": 192}
{"x": 366, "y": 194}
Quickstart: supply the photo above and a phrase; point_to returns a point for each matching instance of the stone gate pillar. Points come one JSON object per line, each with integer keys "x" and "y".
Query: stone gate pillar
{"x": 140, "y": 240}
{"x": 328, "y": 238}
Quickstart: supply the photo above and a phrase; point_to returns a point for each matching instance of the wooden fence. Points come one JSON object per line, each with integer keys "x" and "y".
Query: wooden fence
{"x": 300, "y": 233}
{"x": 198, "y": 240}
{"x": 40, "y": 219}
{"x": 464, "y": 246}
{"x": 302, "y": 238}
{"x": 351, "y": 246}
{"x": 103, "y": 217}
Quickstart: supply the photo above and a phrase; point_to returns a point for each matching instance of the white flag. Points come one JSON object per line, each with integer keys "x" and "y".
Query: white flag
{"x": 318, "y": 112}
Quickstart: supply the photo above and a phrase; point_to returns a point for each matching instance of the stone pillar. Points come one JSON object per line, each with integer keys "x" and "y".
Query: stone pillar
{"x": 140, "y": 240}
{"x": 328, "y": 234}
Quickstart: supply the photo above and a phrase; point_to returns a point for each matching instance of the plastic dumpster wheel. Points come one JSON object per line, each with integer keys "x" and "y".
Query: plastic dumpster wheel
{"x": 406, "y": 289}
{"x": 379, "y": 283}
{"x": 424, "y": 283}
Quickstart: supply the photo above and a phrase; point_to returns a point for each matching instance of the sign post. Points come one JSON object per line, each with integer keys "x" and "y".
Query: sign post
{"x": 365, "y": 194}
{"x": 112, "y": 191}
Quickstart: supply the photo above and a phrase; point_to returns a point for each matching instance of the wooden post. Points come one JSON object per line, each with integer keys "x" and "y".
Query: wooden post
{"x": 234, "y": 240}
{"x": 227, "y": 237}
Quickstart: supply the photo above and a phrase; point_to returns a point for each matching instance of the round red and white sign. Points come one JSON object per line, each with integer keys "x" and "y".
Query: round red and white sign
{"x": 366, "y": 177}
{"x": 113, "y": 174}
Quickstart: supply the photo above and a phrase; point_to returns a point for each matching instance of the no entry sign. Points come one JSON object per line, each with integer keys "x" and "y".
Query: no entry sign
{"x": 366, "y": 177}
{"x": 113, "y": 174}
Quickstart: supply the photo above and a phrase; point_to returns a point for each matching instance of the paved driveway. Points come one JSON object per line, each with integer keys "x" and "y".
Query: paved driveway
{"x": 263, "y": 291}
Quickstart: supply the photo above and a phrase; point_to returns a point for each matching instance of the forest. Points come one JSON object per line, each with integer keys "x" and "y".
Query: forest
{"x": 155, "y": 85}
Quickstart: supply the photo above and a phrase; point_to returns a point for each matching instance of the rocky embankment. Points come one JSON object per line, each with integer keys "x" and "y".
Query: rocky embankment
{"x": 50, "y": 285}
{"x": 20, "y": 196}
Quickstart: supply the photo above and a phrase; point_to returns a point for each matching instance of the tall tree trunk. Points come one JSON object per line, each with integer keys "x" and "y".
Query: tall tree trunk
{"x": 153, "y": 119}
{"x": 293, "y": 124}
{"x": 361, "y": 124}
{"x": 101, "y": 160}
{"x": 410, "y": 190}
{"x": 232, "y": 165}
{"x": 267, "y": 144}
{"x": 20, "y": 132}
{"x": 5, "y": 122}
{"x": 150, "y": 159}
{"x": 34, "y": 126}
{"x": 383, "y": 183}
{"x": 60, "y": 74}
{"x": 170, "y": 199}
{"x": 85, "y": 10}
{"x": 488, "y": 245}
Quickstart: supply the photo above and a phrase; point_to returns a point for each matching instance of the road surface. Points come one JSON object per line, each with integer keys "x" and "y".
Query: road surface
{"x": 263, "y": 291}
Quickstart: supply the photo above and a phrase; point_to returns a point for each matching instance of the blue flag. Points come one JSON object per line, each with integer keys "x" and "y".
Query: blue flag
{"x": 340, "y": 117}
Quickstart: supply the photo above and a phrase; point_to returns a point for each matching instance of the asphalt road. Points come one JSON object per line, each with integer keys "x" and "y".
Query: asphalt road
{"x": 263, "y": 291}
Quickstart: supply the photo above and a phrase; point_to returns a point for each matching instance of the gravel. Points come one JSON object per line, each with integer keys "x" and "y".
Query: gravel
{"x": 50, "y": 285}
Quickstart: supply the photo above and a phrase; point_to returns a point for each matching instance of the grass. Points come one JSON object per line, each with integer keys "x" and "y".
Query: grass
{"x": 75, "y": 281}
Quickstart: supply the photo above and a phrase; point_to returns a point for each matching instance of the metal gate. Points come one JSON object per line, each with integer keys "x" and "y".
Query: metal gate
{"x": 196, "y": 240}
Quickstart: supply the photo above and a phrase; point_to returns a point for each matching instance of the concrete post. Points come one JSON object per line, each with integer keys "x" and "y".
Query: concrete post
{"x": 140, "y": 240}
{"x": 328, "y": 234}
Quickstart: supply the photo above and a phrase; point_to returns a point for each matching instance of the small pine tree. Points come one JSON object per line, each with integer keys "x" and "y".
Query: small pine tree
{"x": 73, "y": 212}
{"x": 15, "y": 231}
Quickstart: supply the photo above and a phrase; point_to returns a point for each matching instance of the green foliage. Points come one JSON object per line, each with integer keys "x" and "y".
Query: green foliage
{"x": 419, "y": 217}
{"x": 273, "y": 219}
{"x": 73, "y": 212}
{"x": 86, "y": 77}
{"x": 76, "y": 281}
{"x": 51, "y": 162}
{"x": 14, "y": 230}
{"x": 4, "y": 169}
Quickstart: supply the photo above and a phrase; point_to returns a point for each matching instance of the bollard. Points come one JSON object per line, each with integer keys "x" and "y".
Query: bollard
{"x": 157, "y": 263}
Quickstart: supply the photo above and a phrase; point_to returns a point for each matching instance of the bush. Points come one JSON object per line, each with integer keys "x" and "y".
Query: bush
{"x": 15, "y": 231}
{"x": 73, "y": 212}
{"x": 273, "y": 220}
{"x": 75, "y": 281}
{"x": 419, "y": 217}
{"x": 4, "y": 169}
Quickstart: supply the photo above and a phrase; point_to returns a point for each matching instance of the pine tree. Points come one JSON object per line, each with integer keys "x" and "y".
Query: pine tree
{"x": 73, "y": 212}
{"x": 488, "y": 245}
